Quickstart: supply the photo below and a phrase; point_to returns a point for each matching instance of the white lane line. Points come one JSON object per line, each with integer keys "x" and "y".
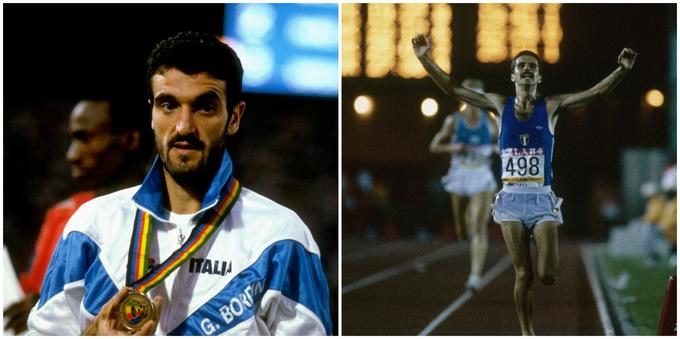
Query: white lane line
{"x": 491, "y": 274}
{"x": 587, "y": 253}
{"x": 380, "y": 250}
{"x": 444, "y": 252}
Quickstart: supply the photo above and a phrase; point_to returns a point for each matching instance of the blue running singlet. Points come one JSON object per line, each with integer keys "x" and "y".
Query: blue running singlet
{"x": 476, "y": 138}
{"x": 526, "y": 147}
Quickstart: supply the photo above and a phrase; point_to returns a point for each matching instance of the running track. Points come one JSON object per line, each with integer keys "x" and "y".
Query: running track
{"x": 409, "y": 287}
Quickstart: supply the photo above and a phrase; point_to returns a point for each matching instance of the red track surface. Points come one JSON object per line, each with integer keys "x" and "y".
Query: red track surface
{"x": 406, "y": 303}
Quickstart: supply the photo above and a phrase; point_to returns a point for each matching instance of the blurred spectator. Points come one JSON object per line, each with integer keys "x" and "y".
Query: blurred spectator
{"x": 373, "y": 214}
{"x": 659, "y": 219}
{"x": 348, "y": 200}
{"x": 655, "y": 202}
{"x": 349, "y": 205}
{"x": 605, "y": 208}
{"x": 367, "y": 211}
{"x": 668, "y": 219}
{"x": 106, "y": 153}
{"x": 653, "y": 235}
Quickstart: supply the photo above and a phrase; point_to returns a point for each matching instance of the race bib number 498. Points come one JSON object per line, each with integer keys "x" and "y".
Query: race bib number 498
{"x": 523, "y": 166}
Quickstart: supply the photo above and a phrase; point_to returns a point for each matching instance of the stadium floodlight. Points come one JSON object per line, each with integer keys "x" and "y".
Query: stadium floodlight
{"x": 654, "y": 98}
{"x": 429, "y": 107}
{"x": 363, "y": 105}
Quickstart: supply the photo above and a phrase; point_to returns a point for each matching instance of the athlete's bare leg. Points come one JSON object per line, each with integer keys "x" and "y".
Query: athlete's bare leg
{"x": 518, "y": 241}
{"x": 480, "y": 209}
{"x": 460, "y": 204}
{"x": 548, "y": 256}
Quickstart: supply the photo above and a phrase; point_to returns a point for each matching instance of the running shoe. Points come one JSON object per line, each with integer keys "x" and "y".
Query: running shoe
{"x": 474, "y": 283}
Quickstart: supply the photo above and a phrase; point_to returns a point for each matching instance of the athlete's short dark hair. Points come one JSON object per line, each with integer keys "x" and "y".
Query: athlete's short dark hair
{"x": 127, "y": 113}
{"x": 193, "y": 53}
{"x": 513, "y": 63}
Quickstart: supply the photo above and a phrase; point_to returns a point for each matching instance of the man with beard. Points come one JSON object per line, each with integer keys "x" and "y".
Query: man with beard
{"x": 190, "y": 247}
{"x": 526, "y": 206}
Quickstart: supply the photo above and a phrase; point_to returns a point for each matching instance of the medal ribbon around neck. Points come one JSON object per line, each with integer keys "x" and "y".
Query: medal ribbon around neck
{"x": 137, "y": 276}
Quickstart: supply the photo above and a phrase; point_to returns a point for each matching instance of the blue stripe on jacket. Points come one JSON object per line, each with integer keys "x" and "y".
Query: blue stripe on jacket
{"x": 77, "y": 258}
{"x": 284, "y": 266}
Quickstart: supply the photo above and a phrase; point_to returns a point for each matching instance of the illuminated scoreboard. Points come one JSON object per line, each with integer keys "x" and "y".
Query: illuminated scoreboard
{"x": 503, "y": 30}
{"x": 285, "y": 48}
{"x": 386, "y": 38}
{"x": 376, "y": 37}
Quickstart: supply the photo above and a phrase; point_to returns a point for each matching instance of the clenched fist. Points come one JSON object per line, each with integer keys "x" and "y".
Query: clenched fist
{"x": 421, "y": 45}
{"x": 627, "y": 58}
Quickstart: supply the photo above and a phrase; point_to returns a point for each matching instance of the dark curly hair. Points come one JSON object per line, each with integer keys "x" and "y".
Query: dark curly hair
{"x": 193, "y": 53}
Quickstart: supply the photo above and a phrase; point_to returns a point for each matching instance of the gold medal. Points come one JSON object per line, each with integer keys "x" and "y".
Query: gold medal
{"x": 135, "y": 310}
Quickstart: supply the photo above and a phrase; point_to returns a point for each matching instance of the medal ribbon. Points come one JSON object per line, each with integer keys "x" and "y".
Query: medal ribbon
{"x": 137, "y": 275}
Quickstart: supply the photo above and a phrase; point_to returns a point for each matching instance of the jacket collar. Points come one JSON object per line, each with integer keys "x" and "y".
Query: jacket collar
{"x": 149, "y": 197}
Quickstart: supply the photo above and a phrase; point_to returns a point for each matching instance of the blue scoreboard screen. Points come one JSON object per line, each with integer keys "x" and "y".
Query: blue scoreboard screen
{"x": 287, "y": 49}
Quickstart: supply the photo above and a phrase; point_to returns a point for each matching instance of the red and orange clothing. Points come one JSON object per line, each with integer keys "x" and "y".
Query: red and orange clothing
{"x": 50, "y": 232}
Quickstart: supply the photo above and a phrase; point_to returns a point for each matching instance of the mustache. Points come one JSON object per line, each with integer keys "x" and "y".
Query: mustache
{"x": 191, "y": 139}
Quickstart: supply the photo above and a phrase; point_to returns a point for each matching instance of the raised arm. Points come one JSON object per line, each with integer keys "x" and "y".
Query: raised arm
{"x": 607, "y": 85}
{"x": 439, "y": 144}
{"x": 422, "y": 47}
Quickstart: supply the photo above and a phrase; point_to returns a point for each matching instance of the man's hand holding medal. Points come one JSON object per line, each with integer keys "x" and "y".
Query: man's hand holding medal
{"x": 131, "y": 312}
{"x": 127, "y": 313}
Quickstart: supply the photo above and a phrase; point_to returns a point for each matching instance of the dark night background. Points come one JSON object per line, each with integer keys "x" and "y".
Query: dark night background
{"x": 393, "y": 142}
{"x": 286, "y": 148}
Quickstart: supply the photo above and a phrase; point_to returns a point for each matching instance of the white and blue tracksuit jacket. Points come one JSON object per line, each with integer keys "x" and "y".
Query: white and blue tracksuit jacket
{"x": 259, "y": 274}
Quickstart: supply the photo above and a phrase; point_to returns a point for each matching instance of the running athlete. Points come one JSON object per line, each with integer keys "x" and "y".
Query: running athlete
{"x": 526, "y": 206}
{"x": 190, "y": 251}
{"x": 469, "y": 137}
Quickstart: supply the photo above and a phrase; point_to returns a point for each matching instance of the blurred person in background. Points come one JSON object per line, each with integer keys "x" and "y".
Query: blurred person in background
{"x": 648, "y": 227}
{"x": 526, "y": 207}
{"x": 668, "y": 222}
{"x": 469, "y": 136}
{"x": 655, "y": 202}
{"x": 658, "y": 223}
{"x": 214, "y": 257}
{"x": 106, "y": 154}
